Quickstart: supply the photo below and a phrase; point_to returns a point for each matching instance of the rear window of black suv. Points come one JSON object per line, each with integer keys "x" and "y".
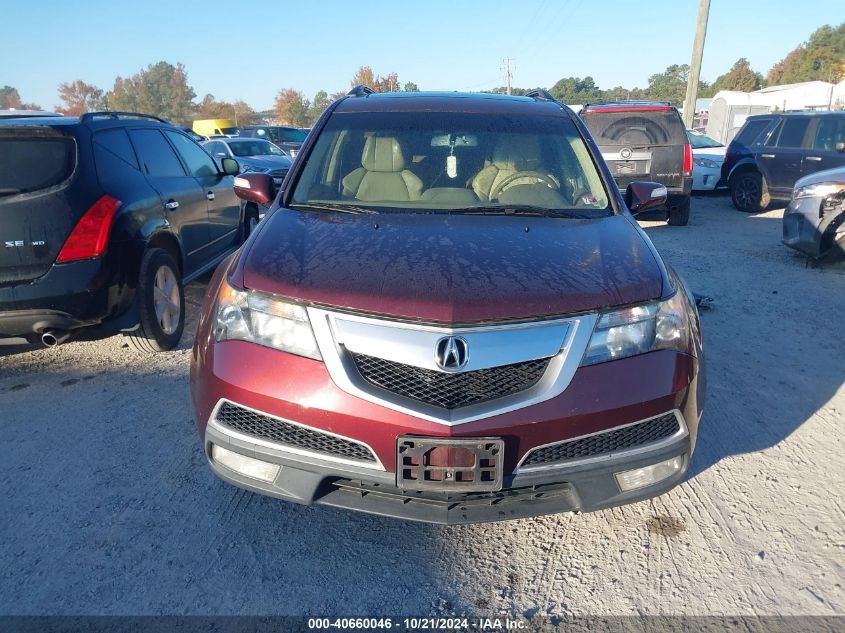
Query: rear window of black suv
{"x": 642, "y": 126}
{"x": 34, "y": 163}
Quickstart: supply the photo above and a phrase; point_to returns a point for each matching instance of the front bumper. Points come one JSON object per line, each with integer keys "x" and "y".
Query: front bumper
{"x": 584, "y": 485}
{"x": 706, "y": 178}
{"x": 300, "y": 390}
{"x": 811, "y": 229}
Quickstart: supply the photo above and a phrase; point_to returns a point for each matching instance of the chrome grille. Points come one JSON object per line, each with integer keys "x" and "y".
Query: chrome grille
{"x": 275, "y": 430}
{"x": 610, "y": 441}
{"x": 449, "y": 391}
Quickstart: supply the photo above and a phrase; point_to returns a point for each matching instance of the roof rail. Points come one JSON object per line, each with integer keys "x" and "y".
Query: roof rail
{"x": 541, "y": 94}
{"x": 361, "y": 91}
{"x": 89, "y": 116}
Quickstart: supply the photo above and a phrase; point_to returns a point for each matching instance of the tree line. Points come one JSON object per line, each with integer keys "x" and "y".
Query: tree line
{"x": 162, "y": 89}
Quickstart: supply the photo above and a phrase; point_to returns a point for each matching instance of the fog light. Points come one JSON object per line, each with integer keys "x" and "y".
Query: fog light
{"x": 641, "y": 477}
{"x": 247, "y": 466}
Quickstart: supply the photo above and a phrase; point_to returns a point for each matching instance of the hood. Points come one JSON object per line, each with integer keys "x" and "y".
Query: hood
{"x": 452, "y": 268}
{"x": 828, "y": 175}
{"x": 268, "y": 162}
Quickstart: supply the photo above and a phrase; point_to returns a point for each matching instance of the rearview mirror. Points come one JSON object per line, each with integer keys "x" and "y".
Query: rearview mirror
{"x": 257, "y": 188}
{"x": 230, "y": 166}
{"x": 642, "y": 196}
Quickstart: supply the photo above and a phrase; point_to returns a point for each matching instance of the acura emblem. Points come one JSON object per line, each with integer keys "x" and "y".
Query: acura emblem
{"x": 451, "y": 353}
{"x": 626, "y": 153}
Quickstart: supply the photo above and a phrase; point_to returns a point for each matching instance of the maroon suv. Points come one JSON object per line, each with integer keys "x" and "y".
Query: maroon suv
{"x": 449, "y": 315}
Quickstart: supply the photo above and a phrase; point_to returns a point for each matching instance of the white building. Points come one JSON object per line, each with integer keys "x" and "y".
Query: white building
{"x": 730, "y": 108}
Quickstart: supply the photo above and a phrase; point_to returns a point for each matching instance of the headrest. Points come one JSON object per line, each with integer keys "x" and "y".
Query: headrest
{"x": 382, "y": 153}
{"x": 517, "y": 151}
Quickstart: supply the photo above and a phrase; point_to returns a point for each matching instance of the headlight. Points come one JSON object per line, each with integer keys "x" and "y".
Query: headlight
{"x": 244, "y": 315}
{"x": 819, "y": 190}
{"x": 640, "y": 329}
{"x": 706, "y": 162}
{"x": 254, "y": 169}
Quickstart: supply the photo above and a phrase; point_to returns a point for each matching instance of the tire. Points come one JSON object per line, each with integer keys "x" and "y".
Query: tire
{"x": 749, "y": 192}
{"x": 250, "y": 220}
{"x": 679, "y": 216}
{"x": 161, "y": 290}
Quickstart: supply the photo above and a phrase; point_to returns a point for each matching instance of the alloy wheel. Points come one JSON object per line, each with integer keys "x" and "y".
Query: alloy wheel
{"x": 166, "y": 300}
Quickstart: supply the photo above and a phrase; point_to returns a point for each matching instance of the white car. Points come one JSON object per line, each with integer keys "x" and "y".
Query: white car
{"x": 707, "y": 157}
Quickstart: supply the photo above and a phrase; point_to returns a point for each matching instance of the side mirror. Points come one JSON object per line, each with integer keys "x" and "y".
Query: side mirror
{"x": 254, "y": 187}
{"x": 840, "y": 146}
{"x": 230, "y": 166}
{"x": 642, "y": 196}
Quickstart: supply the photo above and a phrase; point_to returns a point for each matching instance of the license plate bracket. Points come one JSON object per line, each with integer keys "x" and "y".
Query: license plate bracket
{"x": 450, "y": 464}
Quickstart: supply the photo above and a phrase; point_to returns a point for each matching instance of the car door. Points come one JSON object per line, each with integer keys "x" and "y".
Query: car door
{"x": 780, "y": 159}
{"x": 827, "y": 132}
{"x": 223, "y": 206}
{"x": 182, "y": 197}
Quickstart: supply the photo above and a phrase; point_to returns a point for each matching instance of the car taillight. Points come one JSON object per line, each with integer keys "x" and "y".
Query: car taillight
{"x": 90, "y": 235}
{"x": 687, "y": 160}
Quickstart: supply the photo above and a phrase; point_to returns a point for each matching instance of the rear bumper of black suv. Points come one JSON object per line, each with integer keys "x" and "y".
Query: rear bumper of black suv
{"x": 69, "y": 296}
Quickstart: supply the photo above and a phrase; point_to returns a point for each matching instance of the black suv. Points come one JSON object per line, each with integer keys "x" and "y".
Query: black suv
{"x": 772, "y": 151}
{"x": 645, "y": 141}
{"x": 102, "y": 219}
{"x": 289, "y": 139}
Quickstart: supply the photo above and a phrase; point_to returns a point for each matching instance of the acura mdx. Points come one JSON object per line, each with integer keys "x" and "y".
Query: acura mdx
{"x": 449, "y": 315}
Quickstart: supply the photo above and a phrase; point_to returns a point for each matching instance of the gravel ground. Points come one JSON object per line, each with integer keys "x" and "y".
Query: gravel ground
{"x": 108, "y": 506}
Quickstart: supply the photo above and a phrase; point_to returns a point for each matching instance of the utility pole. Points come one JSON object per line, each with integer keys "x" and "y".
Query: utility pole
{"x": 508, "y": 74}
{"x": 695, "y": 64}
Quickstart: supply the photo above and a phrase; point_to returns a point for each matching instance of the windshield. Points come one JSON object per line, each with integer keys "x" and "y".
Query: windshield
{"x": 702, "y": 141}
{"x": 230, "y": 131}
{"x": 255, "y": 148}
{"x": 446, "y": 161}
{"x": 291, "y": 136}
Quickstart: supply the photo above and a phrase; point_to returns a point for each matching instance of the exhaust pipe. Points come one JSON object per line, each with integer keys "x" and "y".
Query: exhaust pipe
{"x": 51, "y": 338}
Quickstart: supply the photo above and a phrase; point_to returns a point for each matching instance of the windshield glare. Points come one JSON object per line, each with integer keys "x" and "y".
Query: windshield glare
{"x": 702, "y": 141}
{"x": 255, "y": 148}
{"x": 449, "y": 161}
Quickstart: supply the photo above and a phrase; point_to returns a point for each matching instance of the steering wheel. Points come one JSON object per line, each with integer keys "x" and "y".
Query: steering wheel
{"x": 545, "y": 178}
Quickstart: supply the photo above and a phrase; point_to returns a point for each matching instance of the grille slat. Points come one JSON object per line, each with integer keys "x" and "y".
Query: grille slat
{"x": 449, "y": 391}
{"x": 275, "y": 430}
{"x": 620, "y": 439}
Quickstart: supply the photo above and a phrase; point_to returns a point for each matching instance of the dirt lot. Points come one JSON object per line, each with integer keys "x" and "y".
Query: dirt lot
{"x": 109, "y": 508}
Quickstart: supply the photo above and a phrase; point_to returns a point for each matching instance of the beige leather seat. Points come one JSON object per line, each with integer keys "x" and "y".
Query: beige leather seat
{"x": 513, "y": 153}
{"x": 382, "y": 175}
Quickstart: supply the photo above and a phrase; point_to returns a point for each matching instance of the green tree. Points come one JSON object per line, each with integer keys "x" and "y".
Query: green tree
{"x": 576, "y": 90}
{"x": 410, "y": 87}
{"x": 161, "y": 89}
{"x": 822, "y": 57}
{"x": 740, "y": 77}
{"x": 320, "y": 102}
{"x": 671, "y": 85}
{"x": 79, "y": 98}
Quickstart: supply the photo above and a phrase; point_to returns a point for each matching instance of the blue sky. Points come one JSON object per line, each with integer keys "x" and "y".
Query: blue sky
{"x": 249, "y": 49}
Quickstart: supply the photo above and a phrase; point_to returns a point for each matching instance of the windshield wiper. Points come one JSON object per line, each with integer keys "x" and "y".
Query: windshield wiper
{"x": 340, "y": 208}
{"x": 530, "y": 211}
